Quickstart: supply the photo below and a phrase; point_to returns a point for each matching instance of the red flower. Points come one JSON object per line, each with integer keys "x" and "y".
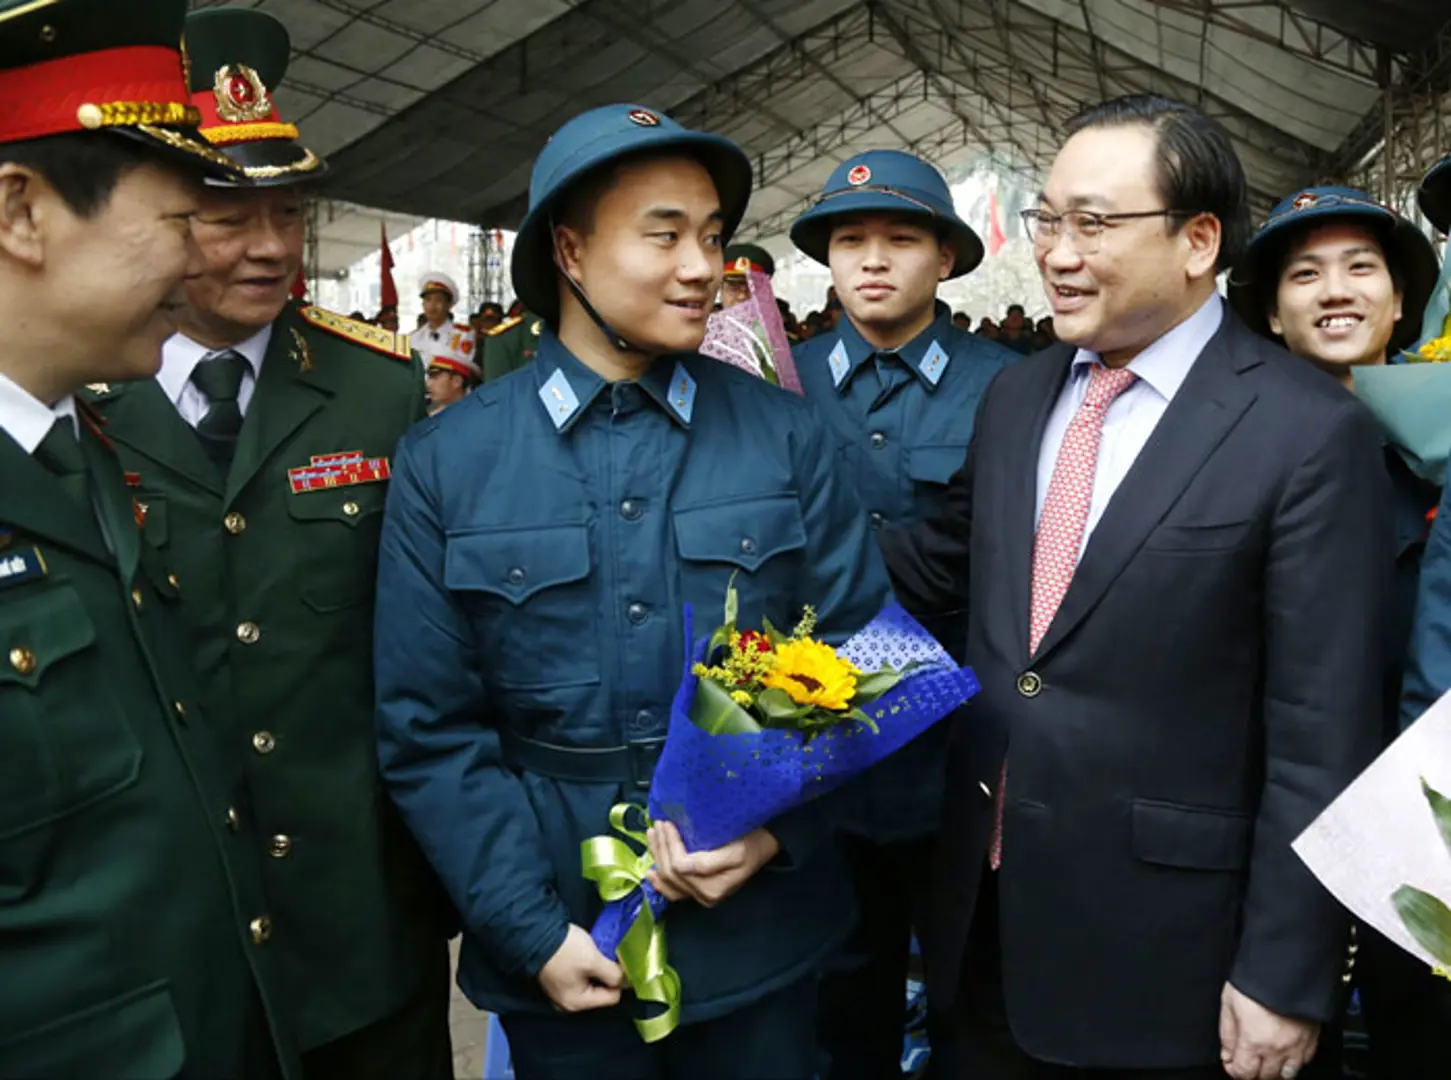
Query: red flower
{"x": 1431, "y": 515}
{"x": 750, "y": 640}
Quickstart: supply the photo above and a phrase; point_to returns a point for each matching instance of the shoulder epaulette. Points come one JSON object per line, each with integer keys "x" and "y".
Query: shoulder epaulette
{"x": 505, "y": 326}
{"x": 463, "y": 326}
{"x": 359, "y": 333}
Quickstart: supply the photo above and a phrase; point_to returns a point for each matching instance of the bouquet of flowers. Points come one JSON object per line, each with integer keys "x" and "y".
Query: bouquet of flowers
{"x": 1411, "y": 397}
{"x": 1426, "y": 917}
{"x": 762, "y": 723}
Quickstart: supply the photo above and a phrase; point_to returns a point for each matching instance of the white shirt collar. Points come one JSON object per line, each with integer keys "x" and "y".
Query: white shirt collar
{"x": 27, "y": 419}
{"x": 180, "y": 356}
{"x": 1165, "y": 364}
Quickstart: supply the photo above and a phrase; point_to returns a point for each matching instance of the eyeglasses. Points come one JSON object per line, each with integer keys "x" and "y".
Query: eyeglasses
{"x": 1084, "y": 227}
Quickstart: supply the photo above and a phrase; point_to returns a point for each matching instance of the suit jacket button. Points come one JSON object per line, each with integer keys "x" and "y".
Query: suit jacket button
{"x": 264, "y": 742}
{"x": 280, "y": 846}
{"x": 235, "y": 523}
{"x": 248, "y": 633}
{"x": 1030, "y": 684}
{"x": 261, "y": 928}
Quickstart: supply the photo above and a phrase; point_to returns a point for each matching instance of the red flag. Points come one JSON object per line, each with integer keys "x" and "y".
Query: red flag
{"x": 996, "y": 238}
{"x": 299, "y": 286}
{"x": 388, "y": 294}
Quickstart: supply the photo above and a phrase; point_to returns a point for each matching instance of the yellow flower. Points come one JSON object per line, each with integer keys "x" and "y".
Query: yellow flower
{"x": 812, "y": 674}
{"x": 741, "y": 698}
{"x": 1437, "y": 350}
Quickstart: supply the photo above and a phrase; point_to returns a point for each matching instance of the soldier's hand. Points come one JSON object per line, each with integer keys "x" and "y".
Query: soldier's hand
{"x": 707, "y": 877}
{"x": 579, "y": 977}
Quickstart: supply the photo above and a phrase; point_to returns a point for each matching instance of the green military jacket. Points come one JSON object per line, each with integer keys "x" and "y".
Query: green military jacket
{"x": 510, "y": 345}
{"x": 134, "y": 935}
{"x": 276, "y": 568}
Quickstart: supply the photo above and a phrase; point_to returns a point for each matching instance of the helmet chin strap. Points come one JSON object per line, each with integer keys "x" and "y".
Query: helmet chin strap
{"x": 618, "y": 340}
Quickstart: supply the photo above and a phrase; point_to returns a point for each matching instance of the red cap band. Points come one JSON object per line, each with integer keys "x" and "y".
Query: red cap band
{"x": 43, "y": 99}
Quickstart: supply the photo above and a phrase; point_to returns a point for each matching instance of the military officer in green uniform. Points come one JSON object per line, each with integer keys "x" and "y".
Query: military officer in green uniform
{"x": 134, "y": 934}
{"x": 511, "y": 345}
{"x": 262, "y": 449}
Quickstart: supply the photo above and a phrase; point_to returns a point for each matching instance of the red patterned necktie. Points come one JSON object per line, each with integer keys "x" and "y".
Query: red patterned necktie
{"x": 1060, "y": 528}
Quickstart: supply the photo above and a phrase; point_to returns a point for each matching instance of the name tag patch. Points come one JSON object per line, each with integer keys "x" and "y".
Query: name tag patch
{"x": 342, "y": 469}
{"x": 19, "y": 565}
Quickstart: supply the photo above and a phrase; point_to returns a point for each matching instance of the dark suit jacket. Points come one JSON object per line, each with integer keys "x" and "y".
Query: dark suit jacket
{"x": 1210, "y": 683}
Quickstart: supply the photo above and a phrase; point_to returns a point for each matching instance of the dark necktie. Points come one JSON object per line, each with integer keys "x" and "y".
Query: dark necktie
{"x": 219, "y": 377}
{"x": 60, "y": 452}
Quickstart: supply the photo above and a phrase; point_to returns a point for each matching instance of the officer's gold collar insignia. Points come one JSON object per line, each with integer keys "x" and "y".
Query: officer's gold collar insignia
{"x": 241, "y": 96}
{"x": 99, "y": 387}
{"x": 359, "y": 333}
{"x": 301, "y": 351}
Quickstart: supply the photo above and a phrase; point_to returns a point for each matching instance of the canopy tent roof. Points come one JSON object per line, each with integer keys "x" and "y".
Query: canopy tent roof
{"x": 437, "y": 108}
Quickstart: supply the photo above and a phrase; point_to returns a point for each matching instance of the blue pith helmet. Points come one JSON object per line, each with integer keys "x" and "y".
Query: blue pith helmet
{"x": 1256, "y": 279}
{"x": 1436, "y": 194}
{"x": 594, "y": 139}
{"x": 891, "y": 181}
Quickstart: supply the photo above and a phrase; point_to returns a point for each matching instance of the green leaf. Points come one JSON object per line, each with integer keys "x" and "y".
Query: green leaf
{"x": 774, "y": 636}
{"x": 870, "y": 687}
{"x": 713, "y": 711}
{"x": 777, "y": 705}
{"x": 1441, "y": 808}
{"x": 857, "y": 714}
{"x": 1428, "y": 920}
{"x": 732, "y": 602}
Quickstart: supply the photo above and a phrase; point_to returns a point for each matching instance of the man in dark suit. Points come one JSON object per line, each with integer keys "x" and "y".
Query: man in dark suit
{"x": 1170, "y": 538}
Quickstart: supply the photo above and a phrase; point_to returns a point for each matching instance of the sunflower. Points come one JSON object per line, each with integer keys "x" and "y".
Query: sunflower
{"x": 812, "y": 674}
{"x": 1437, "y": 351}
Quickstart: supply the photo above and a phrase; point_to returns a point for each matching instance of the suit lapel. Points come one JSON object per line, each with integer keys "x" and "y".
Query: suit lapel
{"x": 289, "y": 391}
{"x": 32, "y": 500}
{"x": 1021, "y": 502}
{"x": 118, "y": 509}
{"x": 1206, "y": 408}
{"x": 142, "y": 418}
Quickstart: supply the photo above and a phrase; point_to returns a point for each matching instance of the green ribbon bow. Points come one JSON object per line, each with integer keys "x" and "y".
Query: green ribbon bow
{"x": 617, "y": 871}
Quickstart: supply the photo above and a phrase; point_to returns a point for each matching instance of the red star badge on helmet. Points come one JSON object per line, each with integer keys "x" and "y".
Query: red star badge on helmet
{"x": 1305, "y": 200}
{"x": 644, "y": 117}
{"x": 858, "y": 176}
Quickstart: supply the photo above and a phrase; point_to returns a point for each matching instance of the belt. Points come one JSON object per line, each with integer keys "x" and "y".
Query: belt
{"x": 633, "y": 763}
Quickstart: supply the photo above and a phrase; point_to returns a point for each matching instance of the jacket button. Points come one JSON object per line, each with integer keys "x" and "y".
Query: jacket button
{"x": 879, "y": 440}
{"x": 171, "y": 580}
{"x": 180, "y": 710}
{"x": 878, "y": 519}
{"x": 279, "y": 846}
{"x": 638, "y": 613}
{"x": 22, "y": 660}
{"x": 1030, "y": 684}
{"x": 351, "y": 508}
{"x": 516, "y": 576}
{"x": 136, "y": 599}
{"x": 264, "y": 742}
{"x": 644, "y": 720}
{"x": 233, "y": 819}
{"x": 630, "y": 510}
{"x": 261, "y": 928}
{"x": 248, "y": 633}
{"x": 748, "y": 546}
{"x": 235, "y": 523}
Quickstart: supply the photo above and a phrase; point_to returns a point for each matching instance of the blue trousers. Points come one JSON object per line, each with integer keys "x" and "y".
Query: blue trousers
{"x": 770, "y": 1039}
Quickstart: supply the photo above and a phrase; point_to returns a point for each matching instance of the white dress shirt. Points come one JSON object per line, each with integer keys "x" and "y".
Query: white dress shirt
{"x": 1133, "y": 415}
{"x": 27, "y": 419}
{"x": 179, "y": 358}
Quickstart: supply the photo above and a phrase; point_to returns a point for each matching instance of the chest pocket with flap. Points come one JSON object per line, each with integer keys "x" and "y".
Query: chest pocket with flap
{"x": 530, "y": 602}
{"x": 750, "y": 534}
{"x": 337, "y": 543}
{"x": 63, "y": 743}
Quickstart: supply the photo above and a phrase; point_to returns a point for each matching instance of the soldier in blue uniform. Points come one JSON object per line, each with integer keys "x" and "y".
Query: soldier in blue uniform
{"x": 540, "y": 540}
{"x": 1343, "y": 281}
{"x": 900, "y": 384}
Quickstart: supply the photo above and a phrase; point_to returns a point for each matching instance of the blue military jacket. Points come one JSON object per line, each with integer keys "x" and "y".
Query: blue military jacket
{"x": 540, "y": 540}
{"x": 908, "y": 416}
